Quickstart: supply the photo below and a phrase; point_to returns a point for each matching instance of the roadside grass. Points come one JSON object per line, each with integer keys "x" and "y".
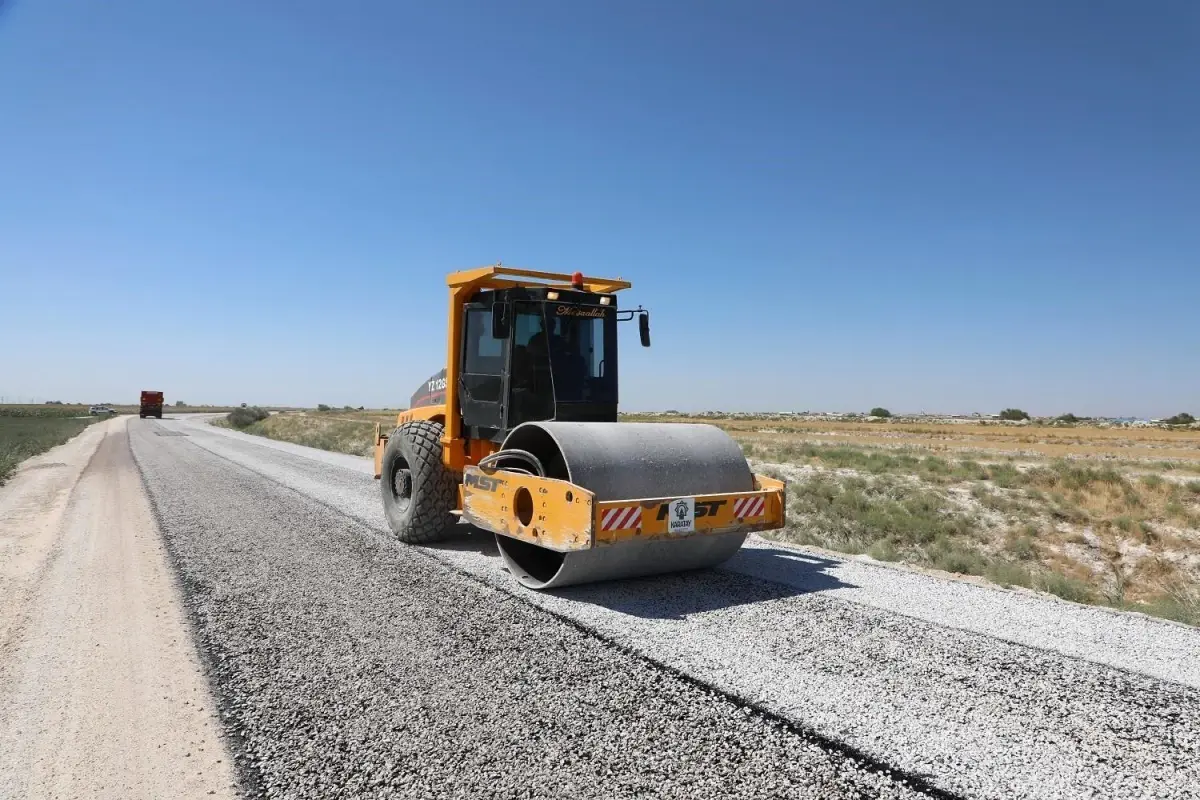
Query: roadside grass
{"x": 1070, "y": 486}
{"x": 1084, "y": 532}
{"x": 325, "y": 432}
{"x": 876, "y": 461}
{"x": 897, "y": 520}
{"x": 1175, "y": 466}
{"x": 48, "y": 411}
{"x": 856, "y": 514}
{"x": 26, "y": 435}
{"x": 384, "y": 416}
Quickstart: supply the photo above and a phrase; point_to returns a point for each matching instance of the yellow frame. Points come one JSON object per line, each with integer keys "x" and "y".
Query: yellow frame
{"x": 558, "y": 515}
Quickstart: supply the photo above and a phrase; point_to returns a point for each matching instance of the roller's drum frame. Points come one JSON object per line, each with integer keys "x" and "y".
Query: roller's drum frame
{"x": 618, "y": 461}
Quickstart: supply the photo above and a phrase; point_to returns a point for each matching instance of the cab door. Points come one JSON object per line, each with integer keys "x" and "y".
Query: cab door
{"x": 531, "y": 382}
{"x": 482, "y": 371}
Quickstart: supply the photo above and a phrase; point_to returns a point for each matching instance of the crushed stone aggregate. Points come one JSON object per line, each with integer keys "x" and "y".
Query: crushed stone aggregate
{"x": 975, "y": 715}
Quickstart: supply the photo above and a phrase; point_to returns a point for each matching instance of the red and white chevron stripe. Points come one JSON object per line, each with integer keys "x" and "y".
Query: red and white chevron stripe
{"x": 749, "y": 507}
{"x": 621, "y": 518}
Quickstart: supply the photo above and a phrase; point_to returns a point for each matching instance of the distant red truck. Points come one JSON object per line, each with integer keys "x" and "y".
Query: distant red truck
{"x": 152, "y": 404}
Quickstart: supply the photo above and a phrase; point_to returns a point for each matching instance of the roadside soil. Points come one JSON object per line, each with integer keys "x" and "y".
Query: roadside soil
{"x": 101, "y": 692}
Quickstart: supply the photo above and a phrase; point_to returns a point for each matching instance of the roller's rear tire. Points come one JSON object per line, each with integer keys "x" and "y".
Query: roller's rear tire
{"x": 418, "y": 491}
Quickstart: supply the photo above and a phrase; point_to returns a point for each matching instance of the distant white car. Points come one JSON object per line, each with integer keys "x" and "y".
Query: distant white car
{"x": 96, "y": 410}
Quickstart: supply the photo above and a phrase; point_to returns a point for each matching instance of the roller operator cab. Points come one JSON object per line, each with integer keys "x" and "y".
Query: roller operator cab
{"x": 519, "y": 435}
{"x": 529, "y": 355}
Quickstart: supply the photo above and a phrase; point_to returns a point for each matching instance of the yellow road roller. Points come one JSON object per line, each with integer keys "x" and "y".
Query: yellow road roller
{"x": 518, "y": 435}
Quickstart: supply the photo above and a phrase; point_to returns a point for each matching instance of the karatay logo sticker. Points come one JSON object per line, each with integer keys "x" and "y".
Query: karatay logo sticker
{"x": 683, "y": 516}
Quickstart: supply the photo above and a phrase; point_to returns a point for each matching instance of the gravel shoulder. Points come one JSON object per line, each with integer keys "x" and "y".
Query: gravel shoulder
{"x": 101, "y": 692}
{"x": 981, "y": 692}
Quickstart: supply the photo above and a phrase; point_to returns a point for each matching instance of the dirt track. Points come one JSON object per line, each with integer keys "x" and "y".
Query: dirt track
{"x": 101, "y": 693}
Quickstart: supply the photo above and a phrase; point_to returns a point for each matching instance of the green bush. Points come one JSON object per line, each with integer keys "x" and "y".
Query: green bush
{"x": 972, "y": 470}
{"x": 243, "y": 417}
{"x": 1072, "y": 476}
{"x": 1021, "y": 546}
{"x": 323, "y": 407}
{"x": 879, "y": 411}
{"x": 1177, "y": 608}
{"x": 1006, "y": 574}
{"x": 1013, "y": 414}
{"x": 1064, "y": 587}
{"x": 1006, "y": 476}
{"x": 1180, "y": 419}
{"x": 949, "y": 555}
{"x": 1071, "y": 418}
{"x": 883, "y": 550}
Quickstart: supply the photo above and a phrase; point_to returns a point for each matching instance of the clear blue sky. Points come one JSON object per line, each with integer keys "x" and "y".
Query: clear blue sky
{"x": 928, "y": 206}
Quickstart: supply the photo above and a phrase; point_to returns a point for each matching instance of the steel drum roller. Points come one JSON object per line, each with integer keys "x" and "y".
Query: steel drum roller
{"x": 627, "y": 461}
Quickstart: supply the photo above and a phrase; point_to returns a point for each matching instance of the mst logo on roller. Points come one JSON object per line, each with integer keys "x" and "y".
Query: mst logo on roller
{"x": 483, "y": 482}
{"x": 704, "y": 508}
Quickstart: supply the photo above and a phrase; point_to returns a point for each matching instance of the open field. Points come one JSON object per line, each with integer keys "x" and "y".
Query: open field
{"x": 1107, "y": 516}
{"x": 25, "y": 435}
{"x": 991, "y": 438}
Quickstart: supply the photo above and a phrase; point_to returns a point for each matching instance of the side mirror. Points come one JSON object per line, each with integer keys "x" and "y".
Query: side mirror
{"x": 644, "y": 329}
{"x": 501, "y": 321}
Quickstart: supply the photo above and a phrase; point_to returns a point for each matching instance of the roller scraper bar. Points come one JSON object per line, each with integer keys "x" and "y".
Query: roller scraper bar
{"x": 619, "y": 500}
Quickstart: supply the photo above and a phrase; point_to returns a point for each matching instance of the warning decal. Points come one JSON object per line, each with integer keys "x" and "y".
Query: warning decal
{"x": 621, "y": 518}
{"x": 748, "y": 507}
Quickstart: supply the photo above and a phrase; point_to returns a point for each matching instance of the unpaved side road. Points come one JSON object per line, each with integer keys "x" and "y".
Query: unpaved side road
{"x": 101, "y": 692}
